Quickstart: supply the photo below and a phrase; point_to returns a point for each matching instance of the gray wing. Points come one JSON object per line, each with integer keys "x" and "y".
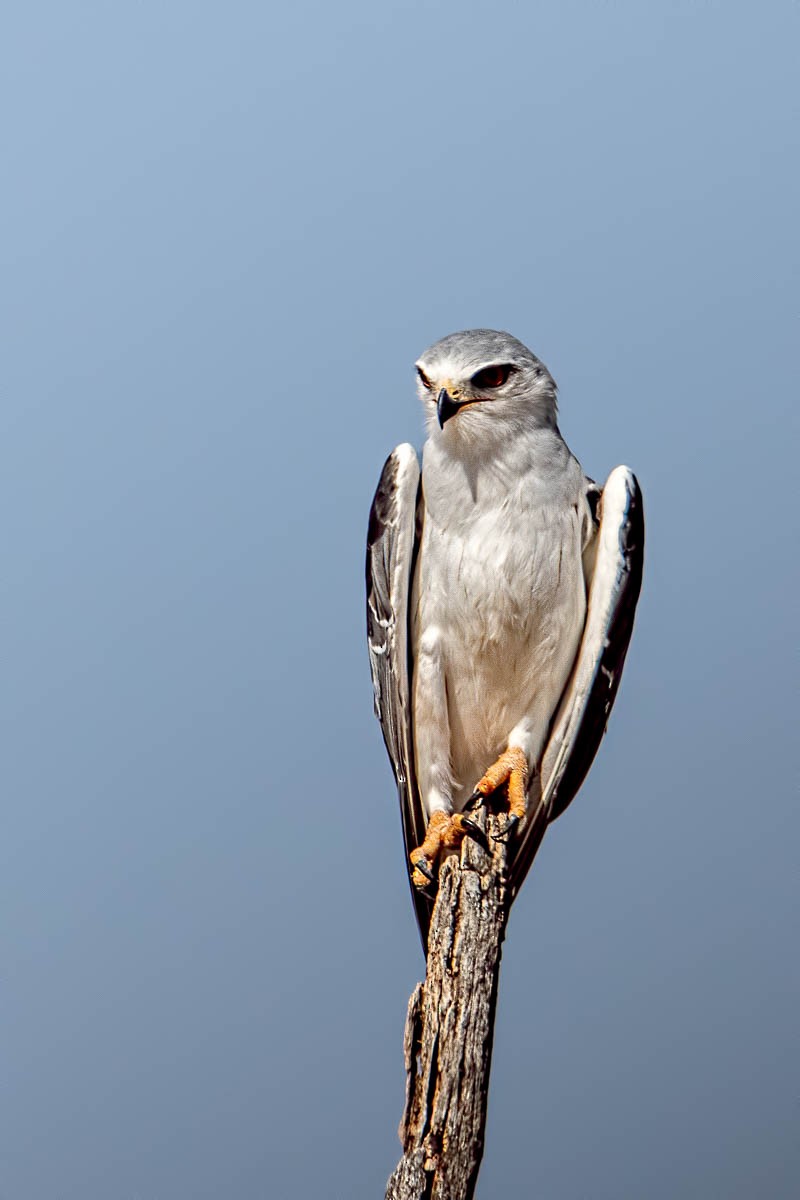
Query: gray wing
{"x": 613, "y": 565}
{"x": 392, "y": 542}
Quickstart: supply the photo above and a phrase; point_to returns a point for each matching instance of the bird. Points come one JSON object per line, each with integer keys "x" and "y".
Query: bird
{"x": 502, "y": 584}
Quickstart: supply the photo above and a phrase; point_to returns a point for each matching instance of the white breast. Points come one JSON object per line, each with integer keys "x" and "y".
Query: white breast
{"x": 501, "y": 578}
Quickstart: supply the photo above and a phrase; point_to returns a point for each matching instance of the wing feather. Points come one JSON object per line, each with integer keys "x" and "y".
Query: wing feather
{"x": 613, "y": 565}
{"x": 392, "y": 542}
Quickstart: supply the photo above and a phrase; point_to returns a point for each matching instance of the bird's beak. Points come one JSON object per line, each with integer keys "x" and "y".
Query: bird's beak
{"x": 446, "y": 407}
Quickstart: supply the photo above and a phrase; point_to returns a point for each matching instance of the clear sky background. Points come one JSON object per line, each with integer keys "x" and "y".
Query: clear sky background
{"x": 227, "y": 232}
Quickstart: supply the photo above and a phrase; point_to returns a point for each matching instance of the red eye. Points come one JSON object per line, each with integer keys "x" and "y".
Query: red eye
{"x": 423, "y": 378}
{"x": 491, "y": 377}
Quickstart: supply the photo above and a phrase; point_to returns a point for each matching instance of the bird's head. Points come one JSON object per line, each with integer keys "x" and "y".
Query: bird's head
{"x": 483, "y": 384}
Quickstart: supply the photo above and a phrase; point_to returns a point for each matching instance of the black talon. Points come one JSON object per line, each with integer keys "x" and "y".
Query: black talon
{"x": 510, "y": 824}
{"x": 475, "y": 832}
{"x": 425, "y": 870}
{"x": 476, "y": 800}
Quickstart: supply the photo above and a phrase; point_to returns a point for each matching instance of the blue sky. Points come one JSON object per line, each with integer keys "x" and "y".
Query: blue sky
{"x": 227, "y": 232}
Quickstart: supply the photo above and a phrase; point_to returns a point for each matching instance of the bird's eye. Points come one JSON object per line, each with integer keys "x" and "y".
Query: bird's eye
{"x": 423, "y": 378}
{"x": 492, "y": 377}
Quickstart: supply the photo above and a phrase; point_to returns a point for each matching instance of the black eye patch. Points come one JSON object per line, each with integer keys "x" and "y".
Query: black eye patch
{"x": 492, "y": 377}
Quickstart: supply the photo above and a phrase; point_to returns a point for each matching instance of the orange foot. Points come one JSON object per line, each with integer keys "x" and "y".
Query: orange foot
{"x": 511, "y": 768}
{"x": 446, "y": 831}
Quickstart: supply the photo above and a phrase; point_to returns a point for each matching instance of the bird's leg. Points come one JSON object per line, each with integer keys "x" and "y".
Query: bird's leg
{"x": 446, "y": 831}
{"x": 511, "y": 768}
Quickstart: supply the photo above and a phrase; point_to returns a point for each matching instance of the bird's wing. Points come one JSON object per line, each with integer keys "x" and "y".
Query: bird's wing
{"x": 392, "y": 543}
{"x": 613, "y": 566}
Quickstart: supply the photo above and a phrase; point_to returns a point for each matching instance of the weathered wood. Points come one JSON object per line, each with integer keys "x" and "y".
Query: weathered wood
{"x": 449, "y": 1029}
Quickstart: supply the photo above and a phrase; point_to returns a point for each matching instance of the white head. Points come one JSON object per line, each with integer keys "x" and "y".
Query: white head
{"x": 482, "y": 385}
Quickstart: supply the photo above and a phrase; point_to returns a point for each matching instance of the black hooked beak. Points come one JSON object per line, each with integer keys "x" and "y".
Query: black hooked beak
{"x": 446, "y": 407}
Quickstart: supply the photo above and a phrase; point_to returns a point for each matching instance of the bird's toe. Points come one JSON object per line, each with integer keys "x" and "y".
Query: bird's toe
{"x": 422, "y": 876}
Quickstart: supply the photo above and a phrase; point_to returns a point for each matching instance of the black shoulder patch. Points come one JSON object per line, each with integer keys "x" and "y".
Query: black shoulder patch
{"x": 594, "y": 495}
{"x": 383, "y": 506}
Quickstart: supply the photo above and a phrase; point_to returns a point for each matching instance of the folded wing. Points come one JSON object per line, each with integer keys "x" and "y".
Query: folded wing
{"x": 614, "y": 577}
{"x": 392, "y": 542}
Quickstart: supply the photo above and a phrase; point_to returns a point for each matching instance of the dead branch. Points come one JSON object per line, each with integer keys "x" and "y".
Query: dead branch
{"x": 450, "y": 1027}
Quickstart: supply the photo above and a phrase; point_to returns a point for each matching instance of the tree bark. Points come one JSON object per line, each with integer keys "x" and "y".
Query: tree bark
{"x": 450, "y": 1027}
